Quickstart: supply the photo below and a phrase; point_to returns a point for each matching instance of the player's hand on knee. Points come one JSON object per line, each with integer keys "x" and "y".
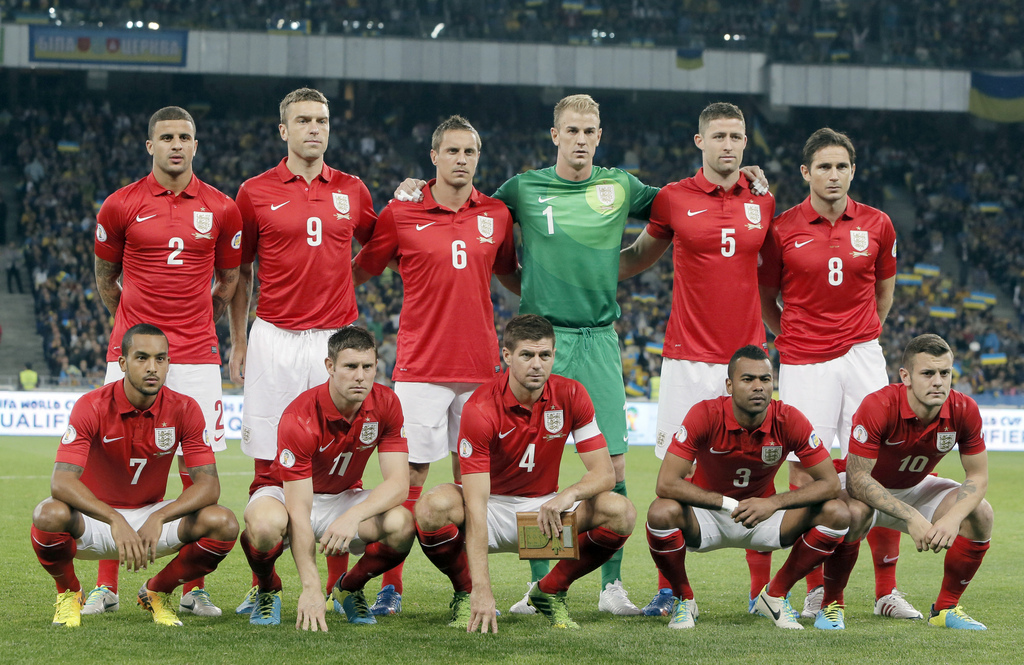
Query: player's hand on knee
{"x": 338, "y": 535}
{"x": 751, "y": 512}
{"x": 482, "y": 611}
{"x": 149, "y": 533}
{"x": 311, "y": 614}
{"x": 919, "y": 528}
{"x": 941, "y": 535}
{"x": 130, "y": 551}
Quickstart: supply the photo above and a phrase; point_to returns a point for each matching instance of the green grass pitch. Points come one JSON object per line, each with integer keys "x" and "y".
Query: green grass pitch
{"x": 725, "y": 633}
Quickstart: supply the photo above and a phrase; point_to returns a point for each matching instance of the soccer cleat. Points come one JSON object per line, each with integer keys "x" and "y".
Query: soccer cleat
{"x": 100, "y": 600}
{"x": 249, "y": 602}
{"x": 268, "y": 609}
{"x": 523, "y": 606}
{"x": 552, "y": 605}
{"x": 953, "y": 617}
{"x": 69, "y": 609}
{"x": 777, "y": 609}
{"x": 661, "y": 605}
{"x": 812, "y": 603}
{"x": 460, "y": 610}
{"x": 388, "y": 602}
{"x": 752, "y": 606}
{"x": 830, "y": 617}
{"x": 353, "y": 603}
{"x": 896, "y": 606}
{"x": 681, "y": 616}
{"x": 614, "y": 599}
{"x": 159, "y": 604}
{"x": 197, "y": 601}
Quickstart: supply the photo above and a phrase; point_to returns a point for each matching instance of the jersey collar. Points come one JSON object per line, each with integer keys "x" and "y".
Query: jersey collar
{"x": 732, "y": 424}
{"x": 287, "y": 176}
{"x": 811, "y": 215}
{"x": 508, "y": 398}
{"x": 331, "y": 412}
{"x": 156, "y": 189}
{"x": 429, "y": 202}
{"x": 709, "y": 187}
{"x": 907, "y": 413}
{"x": 124, "y": 406}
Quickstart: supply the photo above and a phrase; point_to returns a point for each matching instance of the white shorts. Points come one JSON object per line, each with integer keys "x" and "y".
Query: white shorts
{"x": 432, "y": 414}
{"x": 829, "y": 393}
{"x": 683, "y": 384}
{"x": 326, "y": 508}
{"x": 718, "y": 530}
{"x": 97, "y": 542}
{"x": 280, "y": 365}
{"x": 502, "y": 527}
{"x": 200, "y": 382}
{"x": 924, "y": 496}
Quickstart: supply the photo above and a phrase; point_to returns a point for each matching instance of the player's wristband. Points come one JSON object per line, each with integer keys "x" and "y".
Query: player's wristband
{"x": 728, "y": 505}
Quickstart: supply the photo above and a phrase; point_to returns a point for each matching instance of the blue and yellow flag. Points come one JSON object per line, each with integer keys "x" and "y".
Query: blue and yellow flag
{"x": 997, "y": 97}
{"x": 689, "y": 58}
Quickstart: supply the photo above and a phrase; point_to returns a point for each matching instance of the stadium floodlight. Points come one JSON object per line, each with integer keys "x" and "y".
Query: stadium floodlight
{"x": 437, "y": 30}
{"x": 295, "y": 25}
{"x": 355, "y": 24}
{"x": 153, "y": 25}
{"x": 138, "y": 24}
{"x": 130, "y": 25}
{"x": 280, "y": 24}
{"x": 727, "y": 37}
{"x": 57, "y": 22}
{"x": 53, "y": 11}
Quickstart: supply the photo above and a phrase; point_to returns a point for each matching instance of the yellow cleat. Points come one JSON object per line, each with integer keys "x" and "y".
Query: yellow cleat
{"x": 160, "y": 605}
{"x": 69, "y": 609}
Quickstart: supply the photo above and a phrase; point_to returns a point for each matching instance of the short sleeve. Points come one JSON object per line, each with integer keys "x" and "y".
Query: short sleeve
{"x": 885, "y": 264}
{"x": 83, "y": 428}
{"x": 769, "y": 265}
{"x": 660, "y": 224}
{"x": 869, "y": 426}
{"x": 475, "y": 435}
{"x": 229, "y": 240}
{"x": 392, "y": 438}
{"x": 505, "y": 261}
{"x": 694, "y": 430}
{"x": 295, "y": 446}
{"x": 367, "y": 215}
{"x": 970, "y": 436}
{"x": 109, "y": 240}
{"x": 508, "y": 194}
{"x": 250, "y": 225}
{"x": 641, "y": 197}
{"x": 382, "y": 246}
{"x": 193, "y": 436}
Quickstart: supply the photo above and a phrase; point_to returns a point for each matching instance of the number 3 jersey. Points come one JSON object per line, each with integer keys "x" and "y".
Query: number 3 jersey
{"x": 302, "y": 233}
{"x": 315, "y": 441}
{"x": 445, "y": 259}
{"x": 127, "y": 452}
{"x": 886, "y": 429}
{"x": 739, "y": 463}
{"x": 168, "y": 247}
{"x": 521, "y": 447}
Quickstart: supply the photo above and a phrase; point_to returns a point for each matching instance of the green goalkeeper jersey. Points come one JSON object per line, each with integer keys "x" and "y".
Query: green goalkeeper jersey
{"x": 572, "y": 234}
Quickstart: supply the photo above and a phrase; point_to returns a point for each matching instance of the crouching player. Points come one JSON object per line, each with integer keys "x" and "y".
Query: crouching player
{"x": 738, "y": 443}
{"x": 511, "y": 438}
{"x": 108, "y": 483}
{"x": 900, "y": 433}
{"x": 324, "y": 440}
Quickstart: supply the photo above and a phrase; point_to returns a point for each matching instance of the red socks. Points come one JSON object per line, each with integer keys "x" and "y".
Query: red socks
{"x": 194, "y": 560}
{"x": 837, "y": 569}
{"x": 106, "y": 574}
{"x": 56, "y": 553}
{"x": 808, "y": 552}
{"x": 262, "y": 564}
{"x": 337, "y": 566}
{"x": 885, "y": 550}
{"x": 378, "y": 558}
{"x": 962, "y": 561}
{"x": 394, "y": 576}
{"x": 669, "y": 554}
{"x": 446, "y": 550}
{"x": 760, "y": 565}
{"x": 596, "y": 546}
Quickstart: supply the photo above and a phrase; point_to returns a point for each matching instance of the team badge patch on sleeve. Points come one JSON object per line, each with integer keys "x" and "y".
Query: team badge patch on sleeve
{"x": 164, "y": 438}
{"x": 236, "y": 240}
{"x": 814, "y": 441}
{"x": 681, "y": 434}
{"x": 69, "y": 435}
{"x": 860, "y": 434}
{"x": 553, "y": 421}
{"x": 945, "y": 441}
{"x": 101, "y": 233}
{"x": 287, "y": 458}
{"x": 465, "y": 448}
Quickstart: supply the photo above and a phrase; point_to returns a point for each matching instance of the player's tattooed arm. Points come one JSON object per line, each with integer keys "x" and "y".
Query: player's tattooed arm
{"x": 863, "y": 487}
{"x": 68, "y": 468}
{"x": 107, "y": 276}
{"x": 224, "y": 283}
{"x": 204, "y": 470}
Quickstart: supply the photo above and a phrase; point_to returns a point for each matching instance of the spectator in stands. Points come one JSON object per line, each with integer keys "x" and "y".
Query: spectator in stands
{"x": 28, "y": 378}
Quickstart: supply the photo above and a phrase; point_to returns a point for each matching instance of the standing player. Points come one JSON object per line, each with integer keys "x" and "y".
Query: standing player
{"x": 325, "y": 438}
{"x": 109, "y": 480}
{"x": 450, "y": 242}
{"x": 167, "y": 237}
{"x": 834, "y": 262}
{"x": 900, "y": 433}
{"x": 739, "y": 443}
{"x": 299, "y": 219}
{"x": 716, "y": 224}
{"x": 511, "y": 441}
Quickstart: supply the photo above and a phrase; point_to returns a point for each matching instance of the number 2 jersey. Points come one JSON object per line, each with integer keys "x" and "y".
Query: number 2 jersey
{"x": 521, "y": 448}
{"x": 168, "y": 247}
{"x": 886, "y": 429}
{"x": 739, "y": 463}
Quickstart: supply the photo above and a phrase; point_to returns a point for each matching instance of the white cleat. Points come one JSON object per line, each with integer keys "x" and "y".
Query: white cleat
{"x": 197, "y": 601}
{"x": 523, "y": 606}
{"x": 614, "y": 599}
{"x": 100, "y": 600}
{"x": 896, "y": 606}
{"x": 812, "y": 604}
{"x": 777, "y": 609}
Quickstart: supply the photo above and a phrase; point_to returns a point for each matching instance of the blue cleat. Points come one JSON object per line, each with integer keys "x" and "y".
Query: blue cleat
{"x": 681, "y": 616}
{"x": 388, "y": 602}
{"x": 268, "y": 609}
{"x": 954, "y": 617}
{"x": 660, "y": 605}
{"x": 353, "y": 603}
{"x": 249, "y": 602}
{"x": 830, "y": 617}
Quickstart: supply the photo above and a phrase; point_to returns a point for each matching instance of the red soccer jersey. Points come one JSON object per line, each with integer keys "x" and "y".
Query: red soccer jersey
{"x": 739, "y": 463}
{"x": 302, "y": 235}
{"x": 445, "y": 259}
{"x": 886, "y": 429}
{"x": 168, "y": 247}
{"x": 127, "y": 453}
{"x": 716, "y": 236}
{"x": 315, "y": 441}
{"x": 828, "y": 275}
{"x": 522, "y": 448}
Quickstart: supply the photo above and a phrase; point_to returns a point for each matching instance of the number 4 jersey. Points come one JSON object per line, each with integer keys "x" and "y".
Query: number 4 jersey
{"x": 168, "y": 247}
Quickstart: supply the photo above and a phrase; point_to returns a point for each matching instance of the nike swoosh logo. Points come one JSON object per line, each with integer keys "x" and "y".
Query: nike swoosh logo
{"x": 106, "y": 440}
{"x": 718, "y": 452}
{"x": 691, "y": 213}
{"x": 893, "y": 443}
{"x": 420, "y": 227}
{"x": 541, "y": 199}
{"x": 801, "y": 244}
{"x": 502, "y": 435}
{"x": 218, "y": 438}
{"x": 328, "y": 445}
{"x": 965, "y": 582}
{"x": 775, "y": 615}
{"x": 890, "y": 559}
{"x": 142, "y": 219}
{"x": 279, "y": 205}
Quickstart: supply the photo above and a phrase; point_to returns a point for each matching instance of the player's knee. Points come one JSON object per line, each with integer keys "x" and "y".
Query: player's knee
{"x": 52, "y": 515}
{"x": 619, "y": 511}
{"x": 834, "y": 514}
{"x": 435, "y": 508}
{"x": 860, "y": 519}
{"x": 665, "y": 514}
{"x": 217, "y": 522}
{"x": 980, "y": 521}
{"x": 265, "y": 534}
{"x": 399, "y": 529}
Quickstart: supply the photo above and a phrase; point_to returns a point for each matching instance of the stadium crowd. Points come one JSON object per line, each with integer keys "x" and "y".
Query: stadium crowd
{"x": 944, "y": 33}
{"x": 72, "y": 158}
